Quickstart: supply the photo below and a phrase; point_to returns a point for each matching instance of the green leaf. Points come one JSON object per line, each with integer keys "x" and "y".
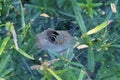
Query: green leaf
{"x": 3, "y": 63}
{"x": 91, "y": 59}
{"x": 54, "y": 74}
{"x": 107, "y": 73}
{"x": 99, "y": 27}
{"x": 82, "y": 75}
{"x": 97, "y": 4}
{"x": 1, "y": 25}
{"x": 78, "y": 16}
{"x": 0, "y": 7}
{"x": 81, "y": 4}
{"x": 22, "y": 16}
{"x": 66, "y": 14}
{"x": 91, "y": 12}
{"x": 6, "y": 72}
{"x": 89, "y": 1}
{"x": 4, "y": 43}
{"x": 76, "y": 64}
{"x": 24, "y": 33}
{"x": 23, "y": 53}
{"x": 72, "y": 74}
{"x": 60, "y": 71}
{"x": 115, "y": 46}
{"x": 60, "y": 3}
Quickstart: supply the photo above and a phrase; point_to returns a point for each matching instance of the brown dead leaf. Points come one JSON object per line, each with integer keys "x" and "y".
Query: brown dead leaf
{"x": 44, "y": 15}
{"x": 113, "y": 8}
{"x": 82, "y": 46}
{"x": 44, "y": 64}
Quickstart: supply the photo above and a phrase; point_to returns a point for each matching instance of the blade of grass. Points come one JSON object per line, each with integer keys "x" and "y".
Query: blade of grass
{"x": 1, "y": 25}
{"x": 22, "y": 16}
{"x": 0, "y": 9}
{"x": 90, "y": 59}
{"x": 66, "y": 14}
{"x": 9, "y": 27}
{"x": 24, "y": 33}
{"x": 6, "y": 72}
{"x": 60, "y": 71}
{"x": 23, "y": 53}
{"x": 4, "y": 43}
{"x": 54, "y": 74}
{"x": 78, "y": 16}
{"x": 99, "y": 27}
{"x": 82, "y": 75}
{"x": 71, "y": 73}
{"x": 76, "y": 64}
{"x": 115, "y": 46}
{"x": 28, "y": 68}
{"x": 4, "y": 62}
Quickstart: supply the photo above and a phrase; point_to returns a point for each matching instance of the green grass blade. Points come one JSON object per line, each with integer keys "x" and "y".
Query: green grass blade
{"x": 7, "y": 72}
{"x": 76, "y": 64}
{"x": 23, "y": 53}
{"x": 3, "y": 63}
{"x": 1, "y": 25}
{"x": 78, "y": 16}
{"x": 99, "y": 27}
{"x": 24, "y": 33}
{"x": 82, "y": 75}
{"x": 4, "y": 43}
{"x": 0, "y": 9}
{"x": 90, "y": 59}
{"x": 97, "y": 4}
{"x": 71, "y": 73}
{"x": 22, "y": 16}
{"x": 115, "y": 46}
{"x": 60, "y": 71}
{"x": 66, "y": 14}
{"x": 54, "y": 74}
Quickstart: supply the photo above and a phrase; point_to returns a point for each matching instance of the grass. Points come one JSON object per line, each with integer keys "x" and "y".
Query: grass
{"x": 21, "y": 22}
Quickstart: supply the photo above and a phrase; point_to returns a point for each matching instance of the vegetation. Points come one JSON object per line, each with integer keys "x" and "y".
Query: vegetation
{"x": 91, "y": 22}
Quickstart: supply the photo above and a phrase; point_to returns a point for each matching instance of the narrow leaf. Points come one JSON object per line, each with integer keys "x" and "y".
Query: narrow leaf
{"x": 82, "y": 75}
{"x": 60, "y": 71}
{"x": 1, "y": 25}
{"x": 91, "y": 60}
{"x": 7, "y": 72}
{"x": 54, "y": 74}
{"x": 78, "y": 16}
{"x": 76, "y": 64}
{"x": 96, "y": 4}
{"x": 4, "y": 62}
{"x": 4, "y": 43}
{"x": 23, "y": 53}
{"x": 99, "y": 27}
{"x": 115, "y": 46}
{"x": 22, "y": 15}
